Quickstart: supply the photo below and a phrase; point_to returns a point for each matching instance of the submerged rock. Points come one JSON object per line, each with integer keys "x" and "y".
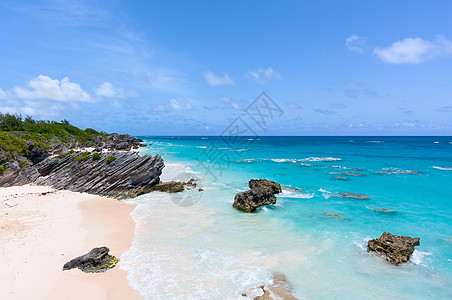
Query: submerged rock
{"x": 396, "y": 248}
{"x": 351, "y": 174}
{"x": 175, "y": 186}
{"x": 169, "y": 187}
{"x": 336, "y": 215}
{"x": 279, "y": 289}
{"x": 354, "y": 195}
{"x": 383, "y": 210}
{"x": 95, "y": 261}
{"x": 254, "y": 183}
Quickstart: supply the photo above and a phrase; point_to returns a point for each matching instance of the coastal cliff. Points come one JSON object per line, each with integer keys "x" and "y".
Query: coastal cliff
{"x": 51, "y": 153}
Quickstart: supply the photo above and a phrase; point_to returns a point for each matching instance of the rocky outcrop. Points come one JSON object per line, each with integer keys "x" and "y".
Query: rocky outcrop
{"x": 117, "y": 174}
{"x": 250, "y": 200}
{"x": 262, "y": 192}
{"x": 169, "y": 187}
{"x": 264, "y": 183}
{"x": 116, "y": 141}
{"x": 279, "y": 289}
{"x": 175, "y": 186}
{"x": 396, "y": 248}
{"x": 354, "y": 196}
{"x": 95, "y": 261}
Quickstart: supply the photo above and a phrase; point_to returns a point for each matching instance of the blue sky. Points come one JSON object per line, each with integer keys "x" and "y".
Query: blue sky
{"x": 192, "y": 67}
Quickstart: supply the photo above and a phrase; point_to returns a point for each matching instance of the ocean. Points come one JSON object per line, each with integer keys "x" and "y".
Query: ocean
{"x": 195, "y": 245}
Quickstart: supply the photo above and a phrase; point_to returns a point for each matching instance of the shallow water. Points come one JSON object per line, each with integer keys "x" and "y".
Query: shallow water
{"x": 194, "y": 245}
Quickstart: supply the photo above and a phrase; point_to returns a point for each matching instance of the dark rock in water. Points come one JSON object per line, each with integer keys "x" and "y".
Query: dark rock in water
{"x": 95, "y": 261}
{"x": 340, "y": 178}
{"x": 354, "y": 195}
{"x": 408, "y": 172}
{"x": 345, "y": 168}
{"x": 190, "y": 184}
{"x": 169, "y": 187}
{"x": 254, "y": 183}
{"x": 351, "y": 174}
{"x": 279, "y": 289}
{"x": 331, "y": 214}
{"x": 262, "y": 193}
{"x": 383, "y": 210}
{"x": 175, "y": 186}
{"x": 396, "y": 248}
{"x": 250, "y": 200}
{"x": 127, "y": 176}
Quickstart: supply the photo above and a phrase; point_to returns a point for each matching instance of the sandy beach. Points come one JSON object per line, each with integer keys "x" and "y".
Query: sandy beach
{"x": 42, "y": 228}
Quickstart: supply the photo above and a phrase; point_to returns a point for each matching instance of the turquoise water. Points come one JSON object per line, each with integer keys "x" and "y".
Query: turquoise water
{"x": 194, "y": 245}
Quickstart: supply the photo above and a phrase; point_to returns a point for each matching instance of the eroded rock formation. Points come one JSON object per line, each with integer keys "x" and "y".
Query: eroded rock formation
{"x": 262, "y": 192}
{"x": 117, "y": 174}
{"x": 95, "y": 261}
{"x": 396, "y": 249}
{"x": 264, "y": 183}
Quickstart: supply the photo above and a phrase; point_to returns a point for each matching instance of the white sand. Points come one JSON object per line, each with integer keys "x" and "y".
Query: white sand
{"x": 41, "y": 229}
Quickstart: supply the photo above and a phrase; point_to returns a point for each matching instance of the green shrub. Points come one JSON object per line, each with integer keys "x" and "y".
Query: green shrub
{"x": 3, "y": 168}
{"x": 110, "y": 159}
{"x": 24, "y": 164}
{"x": 83, "y": 157}
{"x": 96, "y": 156}
{"x": 10, "y": 122}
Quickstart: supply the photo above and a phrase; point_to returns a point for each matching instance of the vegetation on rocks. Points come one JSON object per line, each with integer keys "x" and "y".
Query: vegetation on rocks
{"x": 19, "y": 136}
{"x": 110, "y": 159}
{"x": 51, "y": 153}
{"x": 108, "y": 262}
{"x": 83, "y": 157}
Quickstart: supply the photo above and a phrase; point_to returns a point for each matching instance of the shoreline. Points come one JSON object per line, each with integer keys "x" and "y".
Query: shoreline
{"x": 43, "y": 228}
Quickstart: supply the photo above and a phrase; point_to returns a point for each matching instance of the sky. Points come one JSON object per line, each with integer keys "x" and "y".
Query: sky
{"x": 196, "y": 67}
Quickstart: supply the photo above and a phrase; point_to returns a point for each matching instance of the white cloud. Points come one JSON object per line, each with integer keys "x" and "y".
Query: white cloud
{"x": 44, "y": 87}
{"x": 355, "y": 43}
{"x": 4, "y": 95}
{"x": 173, "y": 104}
{"x": 106, "y": 89}
{"x": 414, "y": 50}
{"x": 180, "y": 104}
{"x": 294, "y": 106}
{"x": 263, "y": 75}
{"x": 214, "y": 80}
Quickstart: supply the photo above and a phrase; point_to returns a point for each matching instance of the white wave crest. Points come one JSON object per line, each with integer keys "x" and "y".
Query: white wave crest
{"x": 293, "y": 193}
{"x": 362, "y": 244}
{"x": 443, "y": 168}
{"x": 326, "y": 194}
{"x": 321, "y": 159}
{"x": 284, "y": 160}
{"x": 417, "y": 257}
